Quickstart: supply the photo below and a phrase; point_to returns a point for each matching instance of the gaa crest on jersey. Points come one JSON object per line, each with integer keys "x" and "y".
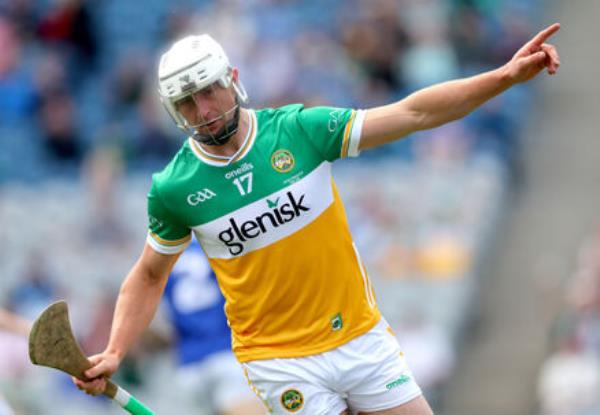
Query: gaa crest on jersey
{"x": 292, "y": 400}
{"x": 200, "y": 196}
{"x": 282, "y": 161}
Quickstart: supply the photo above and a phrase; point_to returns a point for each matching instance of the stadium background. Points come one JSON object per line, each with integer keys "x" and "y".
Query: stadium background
{"x": 482, "y": 237}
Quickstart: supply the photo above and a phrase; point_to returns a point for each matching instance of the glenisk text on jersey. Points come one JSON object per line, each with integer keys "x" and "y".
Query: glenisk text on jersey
{"x": 279, "y": 214}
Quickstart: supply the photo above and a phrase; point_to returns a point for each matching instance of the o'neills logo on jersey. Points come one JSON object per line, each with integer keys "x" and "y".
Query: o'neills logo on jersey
{"x": 277, "y": 215}
{"x": 239, "y": 171}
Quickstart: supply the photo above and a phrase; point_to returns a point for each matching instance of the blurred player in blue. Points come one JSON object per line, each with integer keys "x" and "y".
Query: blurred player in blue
{"x": 208, "y": 369}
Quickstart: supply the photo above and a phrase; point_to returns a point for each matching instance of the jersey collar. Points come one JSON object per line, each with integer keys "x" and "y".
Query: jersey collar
{"x": 222, "y": 161}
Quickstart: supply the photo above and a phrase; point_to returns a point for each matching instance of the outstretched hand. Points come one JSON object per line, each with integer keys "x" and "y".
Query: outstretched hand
{"x": 534, "y": 56}
{"x": 103, "y": 366}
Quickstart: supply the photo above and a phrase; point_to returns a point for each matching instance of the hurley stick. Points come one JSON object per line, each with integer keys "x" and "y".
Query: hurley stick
{"x": 52, "y": 344}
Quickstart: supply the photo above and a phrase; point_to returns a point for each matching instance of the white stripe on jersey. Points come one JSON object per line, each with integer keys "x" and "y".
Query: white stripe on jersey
{"x": 356, "y": 133}
{"x": 166, "y": 249}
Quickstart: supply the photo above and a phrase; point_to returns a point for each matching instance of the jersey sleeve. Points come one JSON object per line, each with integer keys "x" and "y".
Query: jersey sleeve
{"x": 165, "y": 233}
{"x": 335, "y": 132}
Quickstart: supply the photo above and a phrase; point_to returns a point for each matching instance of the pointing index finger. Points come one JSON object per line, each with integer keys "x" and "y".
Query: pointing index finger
{"x": 541, "y": 37}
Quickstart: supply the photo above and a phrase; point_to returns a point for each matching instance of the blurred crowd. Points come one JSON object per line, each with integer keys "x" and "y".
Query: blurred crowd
{"x": 79, "y": 75}
{"x": 81, "y": 128}
{"x": 569, "y": 379}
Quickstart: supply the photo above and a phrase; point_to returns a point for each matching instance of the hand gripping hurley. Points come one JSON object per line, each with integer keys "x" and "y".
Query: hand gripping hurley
{"x": 52, "y": 344}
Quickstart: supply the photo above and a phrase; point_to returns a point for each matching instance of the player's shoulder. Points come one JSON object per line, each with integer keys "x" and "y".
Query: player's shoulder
{"x": 170, "y": 176}
{"x": 278, "y": 115}
{"x": 280, "y": 111}
{"x": 301, "y": 114}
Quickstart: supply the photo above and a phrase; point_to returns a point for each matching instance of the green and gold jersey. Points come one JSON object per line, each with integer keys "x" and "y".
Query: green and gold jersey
{"x": 274, "y": 230}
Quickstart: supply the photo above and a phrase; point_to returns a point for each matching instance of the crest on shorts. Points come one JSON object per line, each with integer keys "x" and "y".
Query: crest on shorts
{"x": 292, "y": 400}
{"x": 282, "y": 161}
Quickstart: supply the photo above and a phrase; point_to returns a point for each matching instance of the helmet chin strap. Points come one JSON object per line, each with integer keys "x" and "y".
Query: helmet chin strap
{"x": 225, "y": 134}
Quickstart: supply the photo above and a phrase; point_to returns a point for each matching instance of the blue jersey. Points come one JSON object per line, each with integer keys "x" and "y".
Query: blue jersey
{"x": 195, "y": 305}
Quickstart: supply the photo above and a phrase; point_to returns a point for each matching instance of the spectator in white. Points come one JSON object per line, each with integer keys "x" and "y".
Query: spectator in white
{"x": 569, "y": 380}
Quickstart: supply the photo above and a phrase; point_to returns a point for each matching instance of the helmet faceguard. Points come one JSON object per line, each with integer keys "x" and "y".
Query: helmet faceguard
{"x": 194, "y": 64}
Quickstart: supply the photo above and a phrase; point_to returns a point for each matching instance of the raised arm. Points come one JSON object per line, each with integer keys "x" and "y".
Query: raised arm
{"x": 449, "y": 101}
{"x": 138, "y": 299}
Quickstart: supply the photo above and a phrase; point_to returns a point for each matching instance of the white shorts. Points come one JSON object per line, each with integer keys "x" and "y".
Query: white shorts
{"x": 218, "y": 380}
{"x": 367, "y": 374}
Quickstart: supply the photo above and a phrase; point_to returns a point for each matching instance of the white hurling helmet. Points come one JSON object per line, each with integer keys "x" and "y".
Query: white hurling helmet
{"x": 191, "y": 64}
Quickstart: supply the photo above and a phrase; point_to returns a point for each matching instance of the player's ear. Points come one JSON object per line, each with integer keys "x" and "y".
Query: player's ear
{"x": 235, "y": 73}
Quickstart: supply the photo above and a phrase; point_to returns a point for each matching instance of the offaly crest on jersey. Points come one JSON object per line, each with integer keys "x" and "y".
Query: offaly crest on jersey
{"x": 282, "y": 161}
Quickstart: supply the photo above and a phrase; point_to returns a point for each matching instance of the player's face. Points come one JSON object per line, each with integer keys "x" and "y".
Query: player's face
{"x": 209, "y": 109}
